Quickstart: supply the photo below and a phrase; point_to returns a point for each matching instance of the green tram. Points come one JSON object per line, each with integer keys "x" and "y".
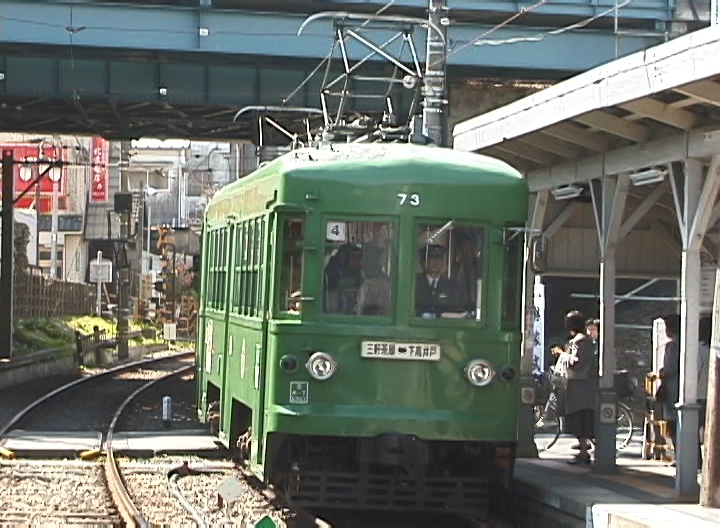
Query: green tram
{"x": 360, "y": 325}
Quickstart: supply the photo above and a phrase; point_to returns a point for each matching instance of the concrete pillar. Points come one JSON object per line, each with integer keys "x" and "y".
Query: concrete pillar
{"x": 687, "y": 419}
{"x": 606, "y": 408}
{"x": 526, "y": 421}
{"x": 609, "y": 198}
{"x": 694, "y": 208}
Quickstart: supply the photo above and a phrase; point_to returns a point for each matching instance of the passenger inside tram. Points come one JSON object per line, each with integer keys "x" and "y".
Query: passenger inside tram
{"x": 449, "y": 278}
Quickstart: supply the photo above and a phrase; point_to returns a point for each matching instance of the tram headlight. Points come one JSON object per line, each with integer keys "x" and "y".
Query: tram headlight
{"x": 479, "y": 372}
{"x": 321, "y": 366}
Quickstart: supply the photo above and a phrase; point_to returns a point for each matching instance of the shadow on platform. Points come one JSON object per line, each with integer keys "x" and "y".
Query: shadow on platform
{"x": 551, "y": 493}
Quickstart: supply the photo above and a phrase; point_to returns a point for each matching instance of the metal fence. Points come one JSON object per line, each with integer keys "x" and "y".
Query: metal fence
{"x": 38, "y": 296}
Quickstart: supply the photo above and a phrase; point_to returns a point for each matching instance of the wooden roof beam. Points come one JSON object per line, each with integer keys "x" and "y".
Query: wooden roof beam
{"x": 563, "y": 216}
{"x": 519, "y": 163}
{"x": 528, "y": 152}
{"x": 554, "y": 146}
{"x": 615, "y": 126}
{"x": 702, "y": 91}
{"x": 576, "y": 135}
{"x": 662, "y": 112}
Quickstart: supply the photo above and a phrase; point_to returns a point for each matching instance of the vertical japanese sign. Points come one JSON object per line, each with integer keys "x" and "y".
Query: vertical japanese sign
{"x": 539, "y": 327}
{"x": 100, "y": 171}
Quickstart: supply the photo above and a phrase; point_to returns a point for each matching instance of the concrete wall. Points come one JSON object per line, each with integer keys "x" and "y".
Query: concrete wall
{"x": 60, "y": 361}
{"x": 36, "y": 366}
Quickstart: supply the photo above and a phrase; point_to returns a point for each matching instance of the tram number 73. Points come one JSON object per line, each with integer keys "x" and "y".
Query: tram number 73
{"x": 412, "y": 199}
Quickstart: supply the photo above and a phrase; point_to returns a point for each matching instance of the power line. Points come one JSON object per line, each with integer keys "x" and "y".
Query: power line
{"x": 523, "y": 11}
{"x": 542, "y": 36}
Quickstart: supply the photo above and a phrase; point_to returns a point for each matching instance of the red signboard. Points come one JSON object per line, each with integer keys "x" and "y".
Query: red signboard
{"x": 100, "y": 155}
{"x": 30, "y": 161}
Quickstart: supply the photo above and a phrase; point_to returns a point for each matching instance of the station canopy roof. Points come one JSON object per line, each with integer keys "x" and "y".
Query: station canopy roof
{"x": 650, "y": 108}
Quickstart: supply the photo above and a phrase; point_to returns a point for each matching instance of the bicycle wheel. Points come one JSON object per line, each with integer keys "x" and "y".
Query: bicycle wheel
{"x": 547, "y": 428}
{"x": 625, "y": 426}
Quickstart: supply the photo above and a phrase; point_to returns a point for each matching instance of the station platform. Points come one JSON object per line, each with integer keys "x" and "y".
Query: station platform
{"x": 552, "y": 493}
{"x": 59, "y": 444}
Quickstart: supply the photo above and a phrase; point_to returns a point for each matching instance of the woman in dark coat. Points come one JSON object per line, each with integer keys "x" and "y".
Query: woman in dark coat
{"x": 581, "y": 387}
{"x": 670, "y": 374}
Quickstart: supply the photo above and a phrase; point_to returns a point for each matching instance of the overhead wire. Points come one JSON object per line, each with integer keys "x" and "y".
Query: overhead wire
{"x": 76, "y": 97}
{"x": 542, "y": 36}
{"x": 523, "y": 11}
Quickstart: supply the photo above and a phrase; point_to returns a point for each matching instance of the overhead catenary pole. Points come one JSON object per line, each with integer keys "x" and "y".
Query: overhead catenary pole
{"x": 53, "y": 207}
{"x": 434, "y": 90}
{"x": 98, "y": 285}
{"x": 6, "y": 251}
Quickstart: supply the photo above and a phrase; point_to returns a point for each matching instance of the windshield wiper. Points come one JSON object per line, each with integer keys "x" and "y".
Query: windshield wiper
{"x": 440, "y": 231}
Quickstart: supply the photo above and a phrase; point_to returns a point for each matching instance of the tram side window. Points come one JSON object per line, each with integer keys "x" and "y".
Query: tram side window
{"x": 218, "y": 271}
{"x": 258, "y": 265}
{"x": 449, "y": 272}
{"x": 512, "y": 280}
{"x": 249, "y": 260}
{"x": 358, "y": 267}
{"x": 208, "y": 268}
{"x": 292, "y": 266}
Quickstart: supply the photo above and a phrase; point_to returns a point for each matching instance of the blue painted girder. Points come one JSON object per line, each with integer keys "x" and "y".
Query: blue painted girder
{"x": 651, "y": 10}
{"x": 123, "y": 28}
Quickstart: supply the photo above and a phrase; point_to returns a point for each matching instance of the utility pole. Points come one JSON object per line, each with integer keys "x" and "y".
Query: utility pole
{"x": 710, "y": 485}
{"x": 139, "y": 234}
{"x": 123, "y": 207}
{"x": 124, "y": 286}
{"x": 435, "y": 91}
{"x": 6, "y": 251}
{"x": 54, "y": 227}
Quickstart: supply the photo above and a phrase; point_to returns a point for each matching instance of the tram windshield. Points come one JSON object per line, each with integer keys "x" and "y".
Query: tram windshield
{"x": 358, "y": 268}
{"x": 449, "y": 274}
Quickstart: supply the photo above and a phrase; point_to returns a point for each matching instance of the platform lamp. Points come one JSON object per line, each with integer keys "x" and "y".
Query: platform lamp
{"x": 567, "y": 192}
{"x": 648, "y": 177}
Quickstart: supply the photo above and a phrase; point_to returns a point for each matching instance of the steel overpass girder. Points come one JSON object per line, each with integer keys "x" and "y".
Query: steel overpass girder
{"x": 205, "y": 33}
{"x": 132, "y": 99}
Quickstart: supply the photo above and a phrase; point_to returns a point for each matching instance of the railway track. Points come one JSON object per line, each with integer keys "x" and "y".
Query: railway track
{"x": 89, "y": 403}
{"x": 103, "y": 488}
{"x": 107, "y": 489}
{"x": 80, "y": 492}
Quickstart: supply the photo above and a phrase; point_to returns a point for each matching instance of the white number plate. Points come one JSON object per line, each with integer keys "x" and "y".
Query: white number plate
{"x": 409, "y": 351}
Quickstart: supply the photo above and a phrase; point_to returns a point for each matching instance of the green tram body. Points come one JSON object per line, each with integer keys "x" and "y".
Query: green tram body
{"x": 397, "y": 419}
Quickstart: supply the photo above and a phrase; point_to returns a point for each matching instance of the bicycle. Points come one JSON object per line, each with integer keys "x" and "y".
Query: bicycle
{"x": 548, "y": 425}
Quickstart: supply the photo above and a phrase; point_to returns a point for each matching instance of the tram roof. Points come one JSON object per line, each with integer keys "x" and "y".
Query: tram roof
{"x": 324, "y": 161}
